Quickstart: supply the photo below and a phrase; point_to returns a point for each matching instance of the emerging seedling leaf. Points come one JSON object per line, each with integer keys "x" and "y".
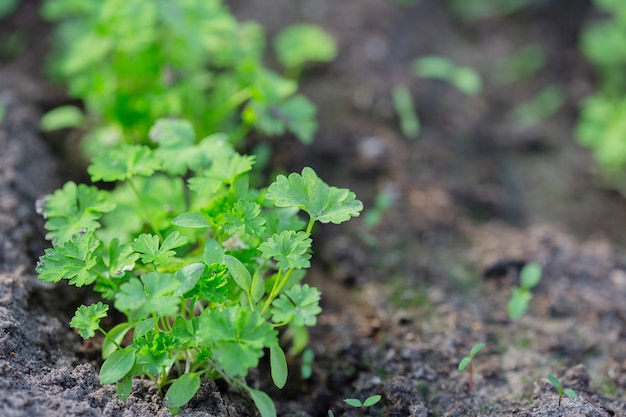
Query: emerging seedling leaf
{"x": 87, "y": 319}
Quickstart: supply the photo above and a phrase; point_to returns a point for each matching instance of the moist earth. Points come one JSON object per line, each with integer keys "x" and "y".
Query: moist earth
{"x": 474, "y": 198}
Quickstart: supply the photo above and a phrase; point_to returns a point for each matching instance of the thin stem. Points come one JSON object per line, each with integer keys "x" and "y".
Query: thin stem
{"x": 109, "y": 338}
{"x": 471, "y": 377}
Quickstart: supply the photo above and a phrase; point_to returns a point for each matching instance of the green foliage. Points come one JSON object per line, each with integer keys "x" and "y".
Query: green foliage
{"x": 206, "y": 277}
{"x": 61, "y": 118}
{"x": 465, "y": 79}
{"x": 468, "y": 359}
{"x": 133, "y": 61}
{"x": 557, "y": 384}
{"x": 530, "y": 275}
{"x": 523, "y": 64}
{"x": 7, "y": 7}
{"x": 403, "y": 104}
{"x": 540, "y": 108}
{"x": 601, "y": 126}
{"x": 362, "y": 405}
{"x": 301, "y": 43}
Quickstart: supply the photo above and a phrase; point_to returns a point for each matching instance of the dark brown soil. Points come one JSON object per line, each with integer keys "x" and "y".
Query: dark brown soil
{"x": 404, "y": 301}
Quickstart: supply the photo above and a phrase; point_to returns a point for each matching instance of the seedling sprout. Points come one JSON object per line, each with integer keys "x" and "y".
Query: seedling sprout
{"x": 468, "y": 361}
{"x": 362, "y": 405}
{"x": 557, "y": 384}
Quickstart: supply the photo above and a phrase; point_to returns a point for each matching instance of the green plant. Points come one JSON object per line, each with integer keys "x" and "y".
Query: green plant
{"x": 362, "y": 405}
{"x": 530, "y": 275}
{"x": 7, "y": 7}
{"x": 463, "y": 78}
{"x": 523, "y": 64}
{"x": 601, "y": 126}
{"x": 540, "y": 108}
{"x": 403, "y": 104}
{"x": 133, "y": 61}
{"x": 306, "y": 368}
{"x": 468, "y": 361}
{"x": 205, "y": 276}
{"x": 299, "y": 44}
{"x": 557, "y": 384}
{"x": 478, "y": 9}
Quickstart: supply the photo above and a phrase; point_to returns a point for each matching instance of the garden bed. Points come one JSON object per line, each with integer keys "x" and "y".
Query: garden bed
{"x": 474, "y": 198}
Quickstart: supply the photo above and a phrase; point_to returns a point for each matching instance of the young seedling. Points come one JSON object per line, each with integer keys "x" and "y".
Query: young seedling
{"x": 468, "y": 361}
{"x": 557, "y": 384}
{"x": 362, "y": 405}
{"x": 530, "y": 275}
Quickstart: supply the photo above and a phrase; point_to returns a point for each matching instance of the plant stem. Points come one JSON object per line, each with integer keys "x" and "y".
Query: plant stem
{"x": 471, "y": 377}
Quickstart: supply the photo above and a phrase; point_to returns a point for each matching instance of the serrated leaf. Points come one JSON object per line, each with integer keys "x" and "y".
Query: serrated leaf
{"x": 122, "y": 163}
{"x": 245, "y": 216}
{"x": 309, "y": 193}
{"x": 71, "y": 260}
{"x": 222, "y": 171}
{"x": 154, "y": 293}
{"x": 237, "y": 337}
{"x": 151, "y": 252}
{"x": 290, "y": 249}
{"x": 182, "y": 390}
{"x": 87, "y": 319}
{"x": 74, "y": 208}
{"x": 302, "y": 43}
{"x": 122, "y": 258}
{"x": 177, "y": 148}
{"x": 117, "y": 366}
{"x": 298, "y": 305}
{"x": 278, "y": 366}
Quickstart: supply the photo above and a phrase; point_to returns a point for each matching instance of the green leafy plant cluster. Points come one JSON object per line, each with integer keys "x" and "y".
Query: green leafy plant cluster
{"x": 601, "y": 126}
{"x": 205, "y": 268}
{"x": 133, "y": 61}
{"x": 529, "y": 276}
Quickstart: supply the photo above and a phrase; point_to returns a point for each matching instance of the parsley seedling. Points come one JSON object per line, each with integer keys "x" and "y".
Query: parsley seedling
{"x": 530, "y": 275}
{"x": 557, "y": 384}
{"x": 362, "y": 405}
{"x": 469, "y": 361}
{"x": 206, "y": 277}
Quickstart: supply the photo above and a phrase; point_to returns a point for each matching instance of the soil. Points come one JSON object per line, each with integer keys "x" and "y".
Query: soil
{"x": 474, "y": 198}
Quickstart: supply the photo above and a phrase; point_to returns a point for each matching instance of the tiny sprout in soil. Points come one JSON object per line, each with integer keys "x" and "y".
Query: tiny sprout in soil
{"x": 530, "y": 275}
{"x": 362, "y": 405}
{"x": 468, "y": 360}
{"x": 557, "y": 384}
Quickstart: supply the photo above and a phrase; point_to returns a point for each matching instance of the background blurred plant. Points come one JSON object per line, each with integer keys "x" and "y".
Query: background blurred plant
{"x": 133, "y": 61}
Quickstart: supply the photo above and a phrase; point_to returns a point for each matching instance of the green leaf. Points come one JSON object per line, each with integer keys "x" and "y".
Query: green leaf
{"x": 278, "y": 366}
{"x": 570, "y": 393}
{"x": 192, "y": 221}
{"x": 61, "y": 118}
{"x": 370, "y": 401}
{"x": 433, "y": 67}
{"x": 298, "y": 305}
{"x": 530, "y": 275}
{"x": 182, "y": 391}
{"x": 73, "y": 260}
{"x": 302, "y": 43}
{"x": 403, "y": 105}
{"x": 124, "y": 387}
{"x": 263, "y": 402}
{"x": 353, "y": 402}
{"x": 237, "y": 337}
{"x": 476, "y": 349}
{"x": 309, "y": 193}
{"x": 122, "y": 258}
{"x": 290, "y": 249}
{"x": 116, "y": 335}
{"x": 518, "y": 303}
{"x": 213, "y": 252}
{"x": 239, "y": 272}
{"x": 245, "y": 216}
{"x": 463, "y": 364}
{"x": 177, "y": 145}
{"x": 555, "y": 382}
{"x": 154, "y": 293}
{"x": 188, "y": 277}
{"x": 124, "y": 162}
{"x": 117, "y": 366}
{"x": 150, "y": 252}
{"x": 87, "y": 319}
{"x": 74, "y": 208}
{"x": 467, "y": 80}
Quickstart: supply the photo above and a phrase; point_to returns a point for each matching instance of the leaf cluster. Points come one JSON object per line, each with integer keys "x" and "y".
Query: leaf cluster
{"x": 204, "y": 276}
{"x": 133, "y": 61}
